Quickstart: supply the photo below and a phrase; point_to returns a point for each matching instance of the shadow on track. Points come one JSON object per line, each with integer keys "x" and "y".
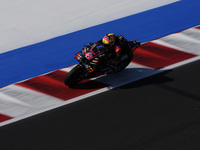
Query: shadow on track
{"x": 158, "y": 80}
{"x": 155, "y": 79}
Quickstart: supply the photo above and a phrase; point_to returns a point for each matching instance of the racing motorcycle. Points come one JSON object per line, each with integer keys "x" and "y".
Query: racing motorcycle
{"x": 94, "y": 61}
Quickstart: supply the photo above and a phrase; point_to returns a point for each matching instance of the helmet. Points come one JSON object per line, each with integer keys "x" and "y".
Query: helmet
{"x": 109, "y": 40}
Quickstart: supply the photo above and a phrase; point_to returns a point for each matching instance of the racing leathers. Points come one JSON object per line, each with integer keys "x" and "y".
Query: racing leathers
{"x": 114, "y": 56}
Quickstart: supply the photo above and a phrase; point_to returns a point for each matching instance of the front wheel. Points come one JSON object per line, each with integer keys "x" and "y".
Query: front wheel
{"x": 74, "y": 76}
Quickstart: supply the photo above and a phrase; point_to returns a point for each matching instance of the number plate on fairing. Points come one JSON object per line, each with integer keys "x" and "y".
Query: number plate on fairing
{"x": 89, "y": 55}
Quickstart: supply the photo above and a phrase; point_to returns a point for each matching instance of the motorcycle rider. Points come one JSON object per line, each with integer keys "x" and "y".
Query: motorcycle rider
{"x": 115, "y": 49}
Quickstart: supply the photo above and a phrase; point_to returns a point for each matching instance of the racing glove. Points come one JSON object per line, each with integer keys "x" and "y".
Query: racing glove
{"x": 134, "y": 43}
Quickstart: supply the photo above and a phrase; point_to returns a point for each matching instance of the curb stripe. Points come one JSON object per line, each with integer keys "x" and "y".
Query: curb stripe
{"x": 52, "y": 84}
{"x": 157, "y": 56}
{"x": 4, "y": 118}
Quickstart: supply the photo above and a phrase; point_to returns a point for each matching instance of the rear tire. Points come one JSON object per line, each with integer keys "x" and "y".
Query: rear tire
{"x": 126, "y": 62}
{"x": 73, "y": 77}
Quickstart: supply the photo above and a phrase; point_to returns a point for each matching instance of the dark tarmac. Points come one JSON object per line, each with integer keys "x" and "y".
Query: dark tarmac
{"x": 161, "y": 112}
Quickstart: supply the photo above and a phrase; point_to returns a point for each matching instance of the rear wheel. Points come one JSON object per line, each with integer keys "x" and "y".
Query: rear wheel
{"x": 74, "y": 76}
{"x": 125, "y": 63}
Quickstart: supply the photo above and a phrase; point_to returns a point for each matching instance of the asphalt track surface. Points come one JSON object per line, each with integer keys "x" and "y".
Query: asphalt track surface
{"x": 159, "y": 112}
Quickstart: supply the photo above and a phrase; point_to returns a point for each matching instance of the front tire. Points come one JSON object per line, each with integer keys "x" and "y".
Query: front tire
{"x": 73, "y": 77}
